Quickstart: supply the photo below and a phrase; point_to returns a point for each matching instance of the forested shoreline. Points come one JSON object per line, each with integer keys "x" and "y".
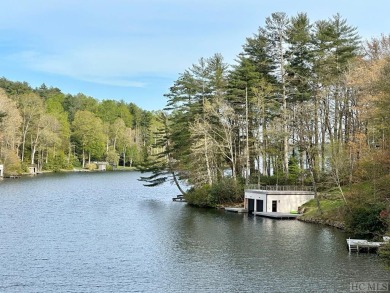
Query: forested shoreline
{"x": 57, "y": 131}
{"x": 305, "y": 103}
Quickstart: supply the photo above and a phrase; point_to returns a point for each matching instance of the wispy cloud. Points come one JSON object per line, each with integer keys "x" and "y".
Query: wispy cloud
{"x": 120, "y": 82}
{"x": 90, "y": 66}
{"x": 134, "y": 44}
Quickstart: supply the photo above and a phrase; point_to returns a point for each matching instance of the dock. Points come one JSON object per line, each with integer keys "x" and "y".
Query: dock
{"x": 236, "y": 210}
{"x": 358, "y": 245}
{"x": 179, "y": 198}
{"x": 12, "y": 176}
{"x": 276, "y": 215}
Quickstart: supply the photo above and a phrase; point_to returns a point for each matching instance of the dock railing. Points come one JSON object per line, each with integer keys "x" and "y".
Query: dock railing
{"x": 279, "y": 187}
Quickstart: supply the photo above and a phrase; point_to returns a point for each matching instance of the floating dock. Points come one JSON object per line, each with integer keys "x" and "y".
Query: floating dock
{"x": 357, "y": 245}
{"x": 276, "y": 215}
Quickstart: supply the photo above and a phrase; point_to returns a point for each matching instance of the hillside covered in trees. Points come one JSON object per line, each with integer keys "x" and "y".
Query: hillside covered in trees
{"x": 57, "y": 131}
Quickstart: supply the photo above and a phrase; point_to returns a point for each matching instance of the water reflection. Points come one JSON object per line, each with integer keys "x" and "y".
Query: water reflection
{"x": 108, "y": 233}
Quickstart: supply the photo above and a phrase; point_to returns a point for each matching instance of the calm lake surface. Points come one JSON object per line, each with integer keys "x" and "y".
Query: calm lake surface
{"x": 106, "y": 232}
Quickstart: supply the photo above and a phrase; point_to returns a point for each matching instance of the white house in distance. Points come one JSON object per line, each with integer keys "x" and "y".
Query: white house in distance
{"x": 101, "y": 166}
{"x": 276, "y": 199}
{"x": 32, "y": 169}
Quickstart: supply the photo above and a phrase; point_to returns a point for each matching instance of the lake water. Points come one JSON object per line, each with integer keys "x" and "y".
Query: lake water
{"x": 106, "y": 232}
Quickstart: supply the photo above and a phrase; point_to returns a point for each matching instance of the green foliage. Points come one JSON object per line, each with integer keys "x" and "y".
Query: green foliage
{"x": 301, "y": 57}
{"x": 108, "y": 111}
{"x": 332, "y": 209}
{"x": 54, "y": 104}
{"x": 36, "y": 124}
{"x": 11, "y": 162}
{"x": 57, "y": 163}
{"x": 367, "y": 212}
{"x": 198, "y": 197}
{"x": 91, "y": 166}
{"x": 226, "y": 191}
{"x": 363, "y": 220}
{"x": 14, "y": 88}
{"x": 112, "y": 156}
{"x": 79, "y": 102}
{"x": 294, "y": 170}
{"x": 384, "y": 253}
{"x": 88, "y": 132}
{"x": 133, "y": 156}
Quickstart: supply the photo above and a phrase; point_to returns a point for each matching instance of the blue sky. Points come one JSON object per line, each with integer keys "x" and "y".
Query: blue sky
{"x": 133, "y": 50}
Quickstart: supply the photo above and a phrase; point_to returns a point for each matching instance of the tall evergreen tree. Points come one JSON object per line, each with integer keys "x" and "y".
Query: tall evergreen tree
{"x": 248, "y": 81}
{"x": 336, "y": 45}
{"x": 242, "y": 80}
{"x": 300, "y": 54}
{"x": 276, "y": 32}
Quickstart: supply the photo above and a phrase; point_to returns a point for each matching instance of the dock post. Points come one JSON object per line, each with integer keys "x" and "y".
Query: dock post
{"x": 349, "y": 245}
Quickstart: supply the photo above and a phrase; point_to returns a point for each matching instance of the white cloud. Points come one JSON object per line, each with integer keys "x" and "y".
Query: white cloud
{"x": 109, "y": 58}
{"x": 82, "y": 66}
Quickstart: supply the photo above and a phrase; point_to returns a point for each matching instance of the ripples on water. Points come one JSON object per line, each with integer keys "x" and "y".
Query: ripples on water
{"x": 105, "y": 232}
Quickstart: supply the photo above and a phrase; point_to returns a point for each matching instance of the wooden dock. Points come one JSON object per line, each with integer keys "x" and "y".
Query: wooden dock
{"x": 236, "y": 210}
{"x": 179, "y": 198}
{"x": 358, "y": 245}
{"x": 280, "y": 216}
{"x": 12, "y": 176}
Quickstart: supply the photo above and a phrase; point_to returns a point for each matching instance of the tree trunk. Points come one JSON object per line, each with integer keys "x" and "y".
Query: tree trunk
{"x": 207, "y": 159}
{"x": 314, "y": 179}
{"x": 25, "y": 128}
{"x": 285, "y": 138}
{"x": 247, "y": 170}
{"x": 177, "y": 183}
{"x": 33, "y": 150}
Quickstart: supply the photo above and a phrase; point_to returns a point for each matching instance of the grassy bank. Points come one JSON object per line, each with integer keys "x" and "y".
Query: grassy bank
{"x": 331, "y": 214}
{"x": 364, "y": 214}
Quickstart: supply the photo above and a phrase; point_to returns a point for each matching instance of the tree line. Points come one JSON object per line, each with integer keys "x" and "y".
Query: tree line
{"x": 55, "y": 131}
{"x": 305, "y": 103}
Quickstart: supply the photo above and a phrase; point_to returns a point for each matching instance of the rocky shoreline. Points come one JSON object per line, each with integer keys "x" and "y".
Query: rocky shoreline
{"x": 337, "y": 224}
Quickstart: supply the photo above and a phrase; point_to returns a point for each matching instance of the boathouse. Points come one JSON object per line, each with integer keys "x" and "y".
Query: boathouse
{"x": 276, "y": 199}
{"x": 32, "y": 169}
{"x": 101, "y": 166}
